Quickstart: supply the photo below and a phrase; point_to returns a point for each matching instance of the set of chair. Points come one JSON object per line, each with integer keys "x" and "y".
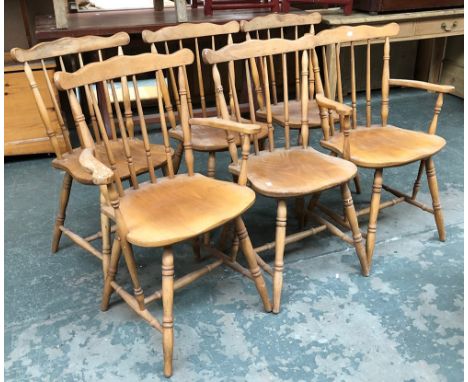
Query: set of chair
{"x": 116, "y": 144}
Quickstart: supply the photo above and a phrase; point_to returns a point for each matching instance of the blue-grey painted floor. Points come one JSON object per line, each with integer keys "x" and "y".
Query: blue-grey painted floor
{"x": 403, "y": 323}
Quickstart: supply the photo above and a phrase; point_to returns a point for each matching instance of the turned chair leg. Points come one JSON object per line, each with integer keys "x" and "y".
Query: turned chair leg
{"x": 211, "y": 174}
{"x": 132, "y": 270}
{"x": 106, "y": 242}
{"x": 417, "y": 182}
{"x": 250, "y": 256}
{"x": 374, "y": 213}
{"x": 434, "y": 190}
{"x": 178, "y": 157}
{"x": 350, "y": 213}
{"x": 111, "y": 272}
{"x": 211, "y": 168}
{"x": 60, "y": 219}
{"x": 168, "y": 303}
{"x": 281, "y": 218}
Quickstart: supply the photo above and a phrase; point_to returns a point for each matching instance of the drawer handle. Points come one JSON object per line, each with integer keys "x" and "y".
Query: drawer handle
{"x": 448, "y": 28}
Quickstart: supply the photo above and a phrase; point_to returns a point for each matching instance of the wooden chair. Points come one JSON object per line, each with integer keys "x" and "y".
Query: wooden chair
{"x": 289, "y": 172}
{"x": 379, "y": 146}
{"x": 289, "y": 26}
{"x": 167, "y": 210}
{"x": 109, "y": 151}
{"x": 204, "y": 138}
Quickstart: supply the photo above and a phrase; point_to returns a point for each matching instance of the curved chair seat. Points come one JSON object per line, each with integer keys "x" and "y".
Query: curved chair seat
{"x": 380, "y": 147}
{"x": 277, "y": 111}
{"x": 296, "y": 172}
{"x": 70, "y": 161}
{"x": 173, "y": 210}
{"x": 211, "y": 139}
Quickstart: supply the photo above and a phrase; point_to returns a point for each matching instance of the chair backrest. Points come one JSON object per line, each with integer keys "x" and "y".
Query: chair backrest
{"x": 125, "y": 69}
{"x": 351, "y": 37}
{"x": 245, "y": 55}
{"x": 191, "y": 35}
{"x": 282, "y": 25}
{"x": 66, "y": 49}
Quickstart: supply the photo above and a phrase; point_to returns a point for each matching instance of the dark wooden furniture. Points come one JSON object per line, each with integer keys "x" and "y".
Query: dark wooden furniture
{"x": 346, "y": 4}
{"x": 226, "y": 5}
{"x": 379, "y": 6}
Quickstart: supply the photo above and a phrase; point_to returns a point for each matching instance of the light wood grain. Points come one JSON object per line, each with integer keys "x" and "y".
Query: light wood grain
{"x": 69, "y": 45}
{"x": 280, "y": 20}
{"x": 189, "y": 31}
{"x": 120, "y": 66}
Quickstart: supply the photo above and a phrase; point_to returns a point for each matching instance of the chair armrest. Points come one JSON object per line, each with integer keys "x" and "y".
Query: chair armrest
{"x": 340, "y": 108}
{"x": 101, "y": 174}
{"x": 219, "y": 123}
{"x": 421, "y": 85}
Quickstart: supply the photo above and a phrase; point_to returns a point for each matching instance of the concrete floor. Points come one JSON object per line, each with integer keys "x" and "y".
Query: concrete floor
{"x": 403, "y": 323}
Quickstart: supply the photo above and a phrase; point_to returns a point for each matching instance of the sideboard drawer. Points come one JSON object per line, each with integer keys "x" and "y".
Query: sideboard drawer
{"x": 440, "y": 27}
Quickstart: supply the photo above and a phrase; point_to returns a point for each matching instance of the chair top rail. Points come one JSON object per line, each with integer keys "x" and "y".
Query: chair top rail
{"x": 257, "y": 48}
{"x": 347, "y": 33}
{"x": 69, "y": 45}
{"x": 189, "y": 30}
{"x": 279, "y": 20}
{"x": 122, "y": 66}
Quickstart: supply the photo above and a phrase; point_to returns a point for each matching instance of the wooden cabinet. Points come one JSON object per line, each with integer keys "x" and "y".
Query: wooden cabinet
{"x": 377, "y": 6}
{"x": 24, "y": 132}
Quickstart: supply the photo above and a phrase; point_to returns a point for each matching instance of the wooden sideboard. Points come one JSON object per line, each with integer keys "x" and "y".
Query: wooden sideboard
{"x": 24, "y": 131}
{"x": 430, "y": 28}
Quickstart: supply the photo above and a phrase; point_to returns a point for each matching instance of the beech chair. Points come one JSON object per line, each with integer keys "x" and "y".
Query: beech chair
{"x": 379, "y": 146}
{"x": 108, "y": 150}
{"x": 289, "y": 26}
{"x": 165, "y": 210}
{"x": 291, "y": 171}
{"x": 204, "y": 138}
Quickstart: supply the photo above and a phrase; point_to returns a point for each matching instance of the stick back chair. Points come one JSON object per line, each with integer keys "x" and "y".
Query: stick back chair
{"x": 204, "y": 138}
{"x": 164, "y": 210}
{"x": 291, "y": 26}
{"x": 381, "y": 145}
{"x": 289, "y": 171}
{"x": 108, "y": 150}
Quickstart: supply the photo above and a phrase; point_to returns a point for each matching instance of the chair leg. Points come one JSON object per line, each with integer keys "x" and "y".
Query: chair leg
{"x": 281, "y": 218}
{"x": 106, "y": 242}
{"x": 211, "y": 174}
{"x": 208, "y": 8}
{"x": 211, "y": 164}
{"x": 111, "y": 272}
{"x": 434, "y": 190}
{"x": 168, "y": 302}
{"x": 132, "y": 270}
{"x": 374, "y": 213}
{"x": 60, "y": 219}
{"x": 353, "y": 222}
{"x": 178, "y": 157}
{"x": 196, "y": 248}
{"x": 249, "y": 253}
{"x": 300, "y": 212}
{"x": 357, "y": 183}
{"x": 417, "y": 182}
